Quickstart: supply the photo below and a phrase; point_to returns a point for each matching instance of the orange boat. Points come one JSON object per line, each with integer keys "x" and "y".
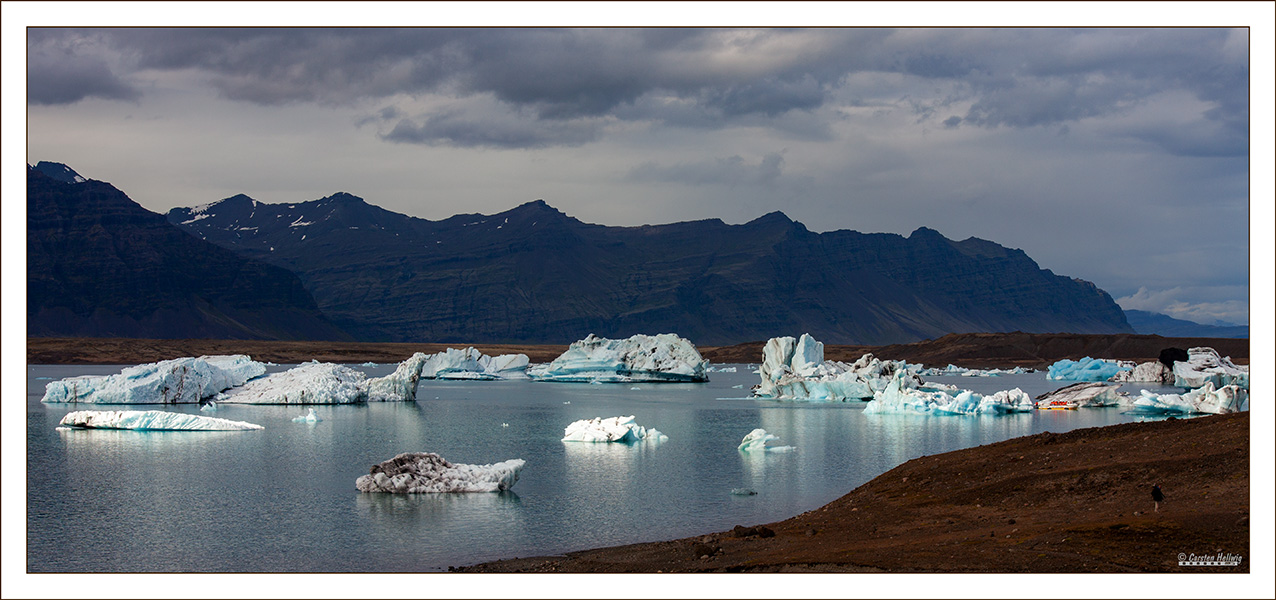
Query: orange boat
{"x": 1058, "y": 405}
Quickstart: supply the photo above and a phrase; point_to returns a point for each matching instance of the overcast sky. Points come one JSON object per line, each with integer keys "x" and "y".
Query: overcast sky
{"x": 1115, "y": 155}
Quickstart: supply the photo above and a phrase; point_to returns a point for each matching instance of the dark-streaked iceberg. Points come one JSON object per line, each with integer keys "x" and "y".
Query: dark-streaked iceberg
{"x": 1149, "y": 372}
{"x": 150, "y": 420}
{"x": 611, "y": 429}
{"x": 1205, "y": 399}
{"x": 176, "y": 381}
{"x": 1204, "y": 365}
{"x": 429, "y": 473}
{"x": 640, "y": 358}
{"x": 1085, "y": 393}
{"x": 795, "y": 369}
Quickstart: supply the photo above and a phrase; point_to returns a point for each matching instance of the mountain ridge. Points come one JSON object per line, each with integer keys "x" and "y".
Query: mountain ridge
{"x": 533, "y": 274}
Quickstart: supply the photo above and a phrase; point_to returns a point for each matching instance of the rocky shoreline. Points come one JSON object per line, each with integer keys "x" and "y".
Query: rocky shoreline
{"x": 1076, "y": 502}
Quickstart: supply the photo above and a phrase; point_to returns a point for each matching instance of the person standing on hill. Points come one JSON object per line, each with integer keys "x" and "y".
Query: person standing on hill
{"x": 1157, "y": 497}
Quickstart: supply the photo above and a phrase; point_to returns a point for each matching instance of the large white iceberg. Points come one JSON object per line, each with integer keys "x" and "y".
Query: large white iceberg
{"x": 1086, "y": 369}
{"x": 153, "y": 420}
{"x": 175, "y": 381}
{"x": 611, "y": 429}
{"x": 640, "y": 358}
{"x": 1204, "y": 365}
{"x": 429, "y": 473}
{"x": 310, "y": 383}
{"x": 795, "y": 369}
{"x": 1152, "y": 372}
{"x": 472, "y": 364}
{"x": 902, "y": 396}
{"x": 756, "y": 442}
{"x": 1086, "y": 393}
{"x": 1205, "y": 399}
{"x": 399, "y": 386}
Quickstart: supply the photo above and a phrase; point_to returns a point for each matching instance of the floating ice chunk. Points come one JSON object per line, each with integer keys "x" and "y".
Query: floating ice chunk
{"x": 209, "y": 407}
{"x": 900, "y": 396}
{"x": 1086, "y": 393}
{"x": 726, "y": 369}
{"x": 175, "y": 381}
{"x": 369, "y": 364}
{"x": 310, "y": 383}
{"x": 611, "y": 429}
{"x": 472, "y": 364}
{"x": 429, "y": 473}
{"x": 640, "y": 358}
{"x": 309, "y": 417}
{"x": 756, "y": 441}
{"x": 1204, "y": 365}
{"x": 1154, "y": 372}
{"x": 399, "y": 386}
{"x": 153, "y": 420}
{"x": 1086, "y": 369}
{"x": 743, "y": 492}
{"x": 1205, "y": 399}
{"x": 796, "y": 370}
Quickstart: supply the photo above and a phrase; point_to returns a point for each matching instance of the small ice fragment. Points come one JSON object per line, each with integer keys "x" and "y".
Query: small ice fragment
{"x": 309, "y": 417}
{"x": 209, "y": 407}
{"x": 743, "y": 492}
{"x": 505, "y": 424}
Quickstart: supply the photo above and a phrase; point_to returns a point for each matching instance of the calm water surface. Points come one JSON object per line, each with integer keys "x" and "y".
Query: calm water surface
{"x": 283, "y": 499}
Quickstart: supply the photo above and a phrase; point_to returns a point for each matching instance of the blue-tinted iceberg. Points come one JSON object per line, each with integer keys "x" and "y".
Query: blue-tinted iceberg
{"x": 901, "y": 396}
{"x": 757, "y": 440}
{"x": 1086, "y": 393}
{"x": 611, "y": 429}
{"x": 1205, "y": 399}
{"x": 640, "y": 358}
{"x": 151, "y": 420}
{"x": 429, "y": 473}
{"x": 1086, "y": 369}
{"x": 795, "y": 369}
{"x": 1150, "y": 372}
{"x": 309, "y": 417}
{"x": 1204, "y": 365}
{"x": 176, "y": 381}
{"x": 472, "y": 364}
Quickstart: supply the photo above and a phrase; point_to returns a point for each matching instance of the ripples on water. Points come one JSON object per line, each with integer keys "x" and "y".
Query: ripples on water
{"x": 283, "y": 499}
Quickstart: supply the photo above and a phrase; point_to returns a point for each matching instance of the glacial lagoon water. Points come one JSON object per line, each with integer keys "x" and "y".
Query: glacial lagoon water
{"x": 283, "y": 499}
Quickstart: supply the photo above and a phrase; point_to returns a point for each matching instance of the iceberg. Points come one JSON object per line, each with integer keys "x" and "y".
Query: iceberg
{"x": 472, "y": 364}
{"x": 640, "y": 358}
{"x": 309, "y": 417}
{"x": 756, "y": 441}
{"x": 1086, "y": 369}
{"x": 1153, "y": 372}
{"x": 1205, "y": 399}
{"x": 796, "y": 370}
{"x": 1086, "y": 393}
{"x": 429, "y": 473}
{"x": 208, "y": 407}
{"x": 310, "y": 383}
{"x": 175, "y": 381}
{"x": 152, "y": 420}
{"x": 955, "y": 370}
{"x": 1204, "y": 365}
{"x": 611, "y": 429}
{"x": 902, "y": 397}
{"x": 399, "y": 386}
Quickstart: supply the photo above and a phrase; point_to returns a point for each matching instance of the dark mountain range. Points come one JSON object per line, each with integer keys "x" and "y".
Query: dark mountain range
{"x": 100, "y": 265}
{"x": 1156, "y": 323}
{"x": 535, "y": 275}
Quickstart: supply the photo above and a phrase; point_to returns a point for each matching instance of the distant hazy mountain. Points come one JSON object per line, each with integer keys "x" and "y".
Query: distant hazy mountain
{"x": 534, "y": 274}
{"x": 99, "y": 265}
{"x": 1164, "y": 325}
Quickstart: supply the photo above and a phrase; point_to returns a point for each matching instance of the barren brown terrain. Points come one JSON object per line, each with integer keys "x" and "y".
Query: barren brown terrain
{"x": 1077, "y": 502}
{"x": 982, "y": 350}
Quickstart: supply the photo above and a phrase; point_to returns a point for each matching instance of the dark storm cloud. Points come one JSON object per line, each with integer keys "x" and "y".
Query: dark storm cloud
{"x": 1017, "y": 78}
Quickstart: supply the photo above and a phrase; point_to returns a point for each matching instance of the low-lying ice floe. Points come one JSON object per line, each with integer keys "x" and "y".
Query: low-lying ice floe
{"x": 151, "y": 420}
{"x": 743, "y": 492}
{"x": 954, "y": 370}
{"x": 796, "y": 370}
{"x": 720, "y": 369}
{"x": 1086, "y": 369}
{"x": 1205, "y": 399}
{"x": 903, "y": 396}
{"x": 1204, "y": 365}
{"x": 309, "y": 417}
{"x": 1082, "y": 394}
{"x": 756, "y": 441}
{"x": 611, "y": 429}
{"x": 640, "y": 358}
{"x": 429, "y": 473}
{"x": 175, "y": 381}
